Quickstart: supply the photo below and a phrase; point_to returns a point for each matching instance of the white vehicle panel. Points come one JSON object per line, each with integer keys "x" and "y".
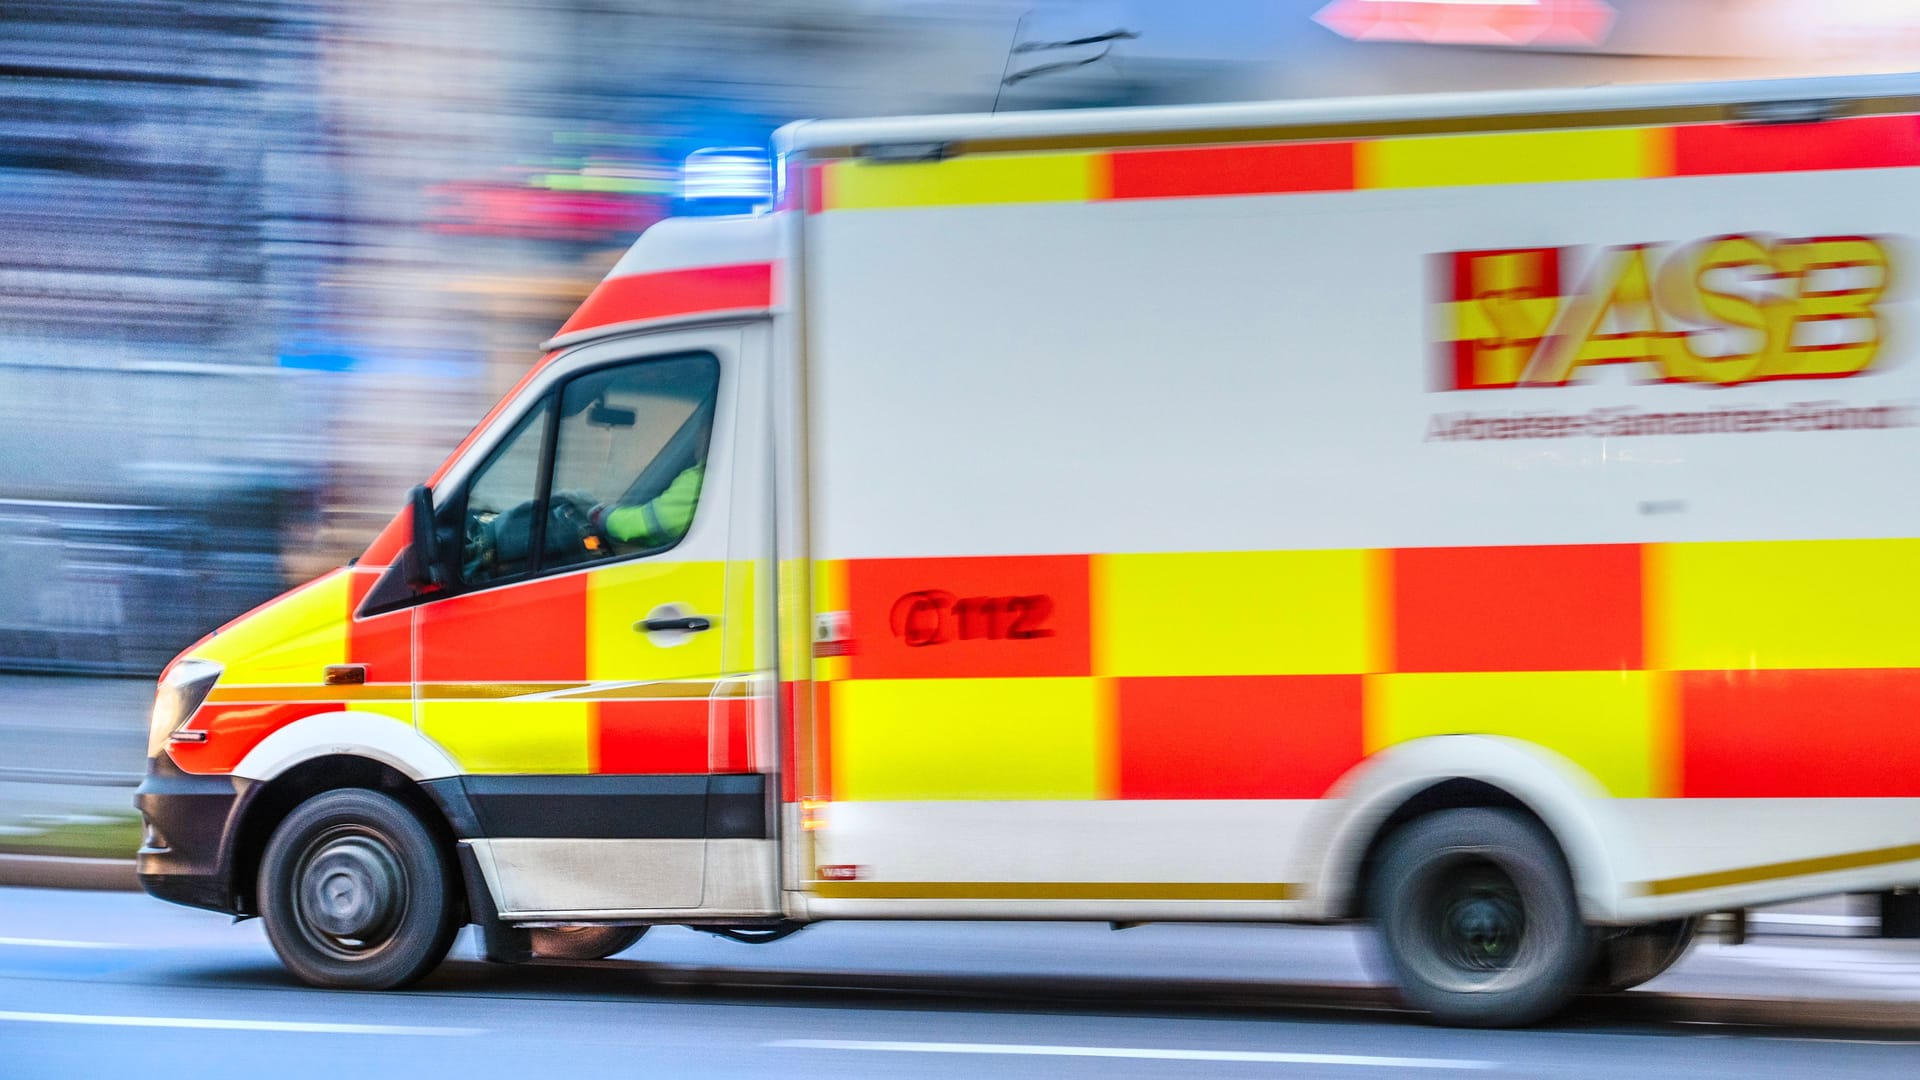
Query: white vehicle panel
{"x": 1279, "y": 364}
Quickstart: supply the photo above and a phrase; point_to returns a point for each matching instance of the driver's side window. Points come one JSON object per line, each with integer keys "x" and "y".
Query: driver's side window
{"x": 631, "y": 454}
{"x": 623, "y": 473}
{"x": 497, "y": 525}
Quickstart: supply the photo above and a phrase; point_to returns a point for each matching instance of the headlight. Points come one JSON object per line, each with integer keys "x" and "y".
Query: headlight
{"x": 181, "y": 691}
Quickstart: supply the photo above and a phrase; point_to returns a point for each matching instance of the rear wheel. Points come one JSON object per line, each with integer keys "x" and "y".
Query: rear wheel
{"x": 1632, "y": 955}
{"x": 1478, "y": 916}
{"x": 584, "y": 942}
{"x": 357, "y": 893}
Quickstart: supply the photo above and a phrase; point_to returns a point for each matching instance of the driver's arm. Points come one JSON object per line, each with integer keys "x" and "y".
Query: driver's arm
{"x": 662, "y": 520}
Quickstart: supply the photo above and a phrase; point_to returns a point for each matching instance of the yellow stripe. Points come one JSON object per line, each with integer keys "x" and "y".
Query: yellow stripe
{"x": 255, "y": 695}
{"x": 489, "y": 691}
{"x": 829, "y": 594}
{"x": 1238, "y": 613}
{"x": 1528, "y": 157}
{"x": 1606, "y": 722}
{"x": 657, "y": 691}
{"x": 665, "y": 690}
{"x": 1054, "y": 890}
{"x": 910, "y": 739}
{"x": 1771, "y": 871}
{"x": 290, "y": 641}
{"x": 1817, "y": 604}
{"x": 964, "y": 181}
{"x": 619, "y": 595}
{"x": 1666, "y": 116}
{"x": 512, "y": 736}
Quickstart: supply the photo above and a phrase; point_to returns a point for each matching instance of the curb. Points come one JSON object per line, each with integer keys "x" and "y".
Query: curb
{"x": 1644, "y": 1007}
{"x": 64, "y": 872}
{"x": 1858, "y": 1014}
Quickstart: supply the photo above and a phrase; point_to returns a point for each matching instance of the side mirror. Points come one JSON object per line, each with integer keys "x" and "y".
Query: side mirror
{"x": 423, "y": 556}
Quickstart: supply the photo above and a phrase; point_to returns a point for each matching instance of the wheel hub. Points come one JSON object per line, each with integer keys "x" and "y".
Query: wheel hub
{"x": 352, "y": 890}
{"x": 1484, "y": 930}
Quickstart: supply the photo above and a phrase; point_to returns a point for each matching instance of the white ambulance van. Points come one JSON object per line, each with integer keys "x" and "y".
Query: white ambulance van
{"x": 1480, "y": 514}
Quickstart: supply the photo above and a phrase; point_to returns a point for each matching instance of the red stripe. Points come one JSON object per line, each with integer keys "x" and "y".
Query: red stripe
{"x": 816, "y": 189}
{"x": 1237, "y": 737}
{"x": 822, "y": 748}
{"x": 1010, "y": 616}
{"x": 792, "y": 694}
{"x": 1232, "y": 170}
{"x": 531, "y": 632}
{"x": 1871, "y": 142}
{"x": 1554, "y": 608}
{"x": 634, "y": 297}
{"x": 384, "y": 642}
{"x": 234, "y": 730}
{"x": 391, "y": 540}
{"x": 736, "y": 734}
{"x": 664, "y": 736}
{"x": 1799, "y": 734}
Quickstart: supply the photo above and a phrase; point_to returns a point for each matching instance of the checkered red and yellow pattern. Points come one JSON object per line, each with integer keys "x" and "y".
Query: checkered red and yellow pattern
{"x": 1767, "y": 669}
{"x": 1403, "y": 161}
{"x": 544, "y": 677}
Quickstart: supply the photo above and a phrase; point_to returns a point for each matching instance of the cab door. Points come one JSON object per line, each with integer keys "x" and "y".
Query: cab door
{"x": 588, "y": 668}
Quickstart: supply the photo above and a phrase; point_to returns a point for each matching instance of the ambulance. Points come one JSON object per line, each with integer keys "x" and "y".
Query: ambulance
{"x": 1480, "y": 515}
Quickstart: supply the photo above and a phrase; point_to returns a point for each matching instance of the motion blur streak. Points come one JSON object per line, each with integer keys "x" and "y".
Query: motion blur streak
{"x": 266, "y": 260}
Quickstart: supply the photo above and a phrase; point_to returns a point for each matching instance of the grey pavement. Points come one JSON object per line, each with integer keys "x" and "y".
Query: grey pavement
{"x": 112, "y": 984}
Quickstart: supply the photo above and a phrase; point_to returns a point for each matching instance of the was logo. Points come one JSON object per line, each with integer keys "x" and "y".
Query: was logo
{"x": 1721, "y": 311}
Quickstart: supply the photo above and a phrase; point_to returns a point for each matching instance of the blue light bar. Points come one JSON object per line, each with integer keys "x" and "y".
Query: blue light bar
{"x": 731, "y": 173}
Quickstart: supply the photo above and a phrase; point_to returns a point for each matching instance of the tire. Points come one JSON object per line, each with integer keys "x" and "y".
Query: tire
{"x": 357, "y": 893}
{"x": 584, "y": 942}
{"x": 1632, "y": 955}
{"x": 1479, "y": 919}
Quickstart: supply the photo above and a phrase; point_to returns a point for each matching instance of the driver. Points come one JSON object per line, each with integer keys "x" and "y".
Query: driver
{"x": 660, "y": 521}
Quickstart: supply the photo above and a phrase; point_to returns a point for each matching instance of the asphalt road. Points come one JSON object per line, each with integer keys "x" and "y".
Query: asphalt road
{"x": 117, "y": 985}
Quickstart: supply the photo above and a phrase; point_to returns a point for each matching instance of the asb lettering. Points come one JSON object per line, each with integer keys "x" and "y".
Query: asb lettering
{"x": 1721, "y": 311}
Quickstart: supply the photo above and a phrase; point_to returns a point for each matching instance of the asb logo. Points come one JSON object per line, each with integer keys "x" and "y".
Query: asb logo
{"x": 1722, "y": 311}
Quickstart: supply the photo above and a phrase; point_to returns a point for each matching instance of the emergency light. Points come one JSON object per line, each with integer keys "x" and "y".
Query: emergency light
{"x": 732, "y": 174}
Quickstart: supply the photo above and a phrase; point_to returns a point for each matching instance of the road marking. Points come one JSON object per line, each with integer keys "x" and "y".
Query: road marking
{"x": 1138, "y": 1052}
{"x": 210, "y": 1024}
{"x": 56, "y": 943}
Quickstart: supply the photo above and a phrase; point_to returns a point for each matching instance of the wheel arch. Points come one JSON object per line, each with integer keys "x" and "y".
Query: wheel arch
{"x": 1406, "y": 782}
{"x": 388, "y": 740}
{"x": 270, "y": 801}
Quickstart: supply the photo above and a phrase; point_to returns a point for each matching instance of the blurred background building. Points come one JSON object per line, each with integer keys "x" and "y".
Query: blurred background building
{"x": 262, "y": 262}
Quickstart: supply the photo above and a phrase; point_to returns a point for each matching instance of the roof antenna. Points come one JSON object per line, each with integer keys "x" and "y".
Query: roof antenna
{"x": 1009, "y": 77}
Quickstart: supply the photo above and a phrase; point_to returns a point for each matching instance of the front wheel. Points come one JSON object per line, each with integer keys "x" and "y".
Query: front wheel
{"x": 357, "y": 893}
{"x": 1478, "y": 916}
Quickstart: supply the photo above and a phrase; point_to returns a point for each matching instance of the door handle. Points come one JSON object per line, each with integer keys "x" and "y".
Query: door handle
{"x": 692, "y": 624}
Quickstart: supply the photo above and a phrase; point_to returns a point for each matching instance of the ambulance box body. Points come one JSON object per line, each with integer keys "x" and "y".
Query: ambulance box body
{"x": 1477, "y": 512}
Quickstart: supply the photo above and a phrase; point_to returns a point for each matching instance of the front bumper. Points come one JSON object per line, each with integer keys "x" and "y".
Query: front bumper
{"x": 186, "y": 854}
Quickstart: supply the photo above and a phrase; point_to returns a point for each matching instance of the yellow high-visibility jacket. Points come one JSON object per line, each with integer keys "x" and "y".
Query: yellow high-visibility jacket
{"x": 662, "y": 520}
